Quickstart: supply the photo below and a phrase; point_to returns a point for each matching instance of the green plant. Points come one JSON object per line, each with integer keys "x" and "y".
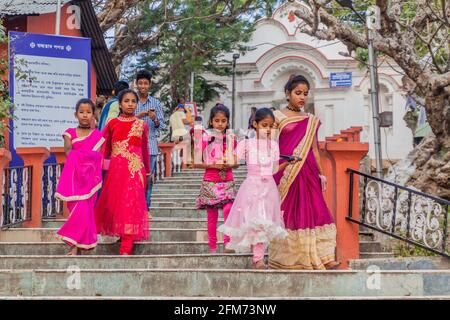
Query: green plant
{"x": 6, "y": 105}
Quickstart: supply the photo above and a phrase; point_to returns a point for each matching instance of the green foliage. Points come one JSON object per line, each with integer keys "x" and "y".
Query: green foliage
{"x": 403, "y": 249}
{"x": 196, "y": 43}
{"x": 6, "y": 106}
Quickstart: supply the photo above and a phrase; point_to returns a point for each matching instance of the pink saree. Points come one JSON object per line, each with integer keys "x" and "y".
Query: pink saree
{"x": 311, "y": 230}
{"x": 80, "y": 180}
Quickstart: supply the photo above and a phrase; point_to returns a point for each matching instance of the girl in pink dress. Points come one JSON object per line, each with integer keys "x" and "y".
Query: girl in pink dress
{"x": 218, "y": 189}
{"x": 255, "y": 218}
{"x": 80, "y": 180}
{"x": 121, "y": 210}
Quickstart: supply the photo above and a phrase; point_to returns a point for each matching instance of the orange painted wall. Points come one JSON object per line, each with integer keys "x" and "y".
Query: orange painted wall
{"x": 45, "y": 24}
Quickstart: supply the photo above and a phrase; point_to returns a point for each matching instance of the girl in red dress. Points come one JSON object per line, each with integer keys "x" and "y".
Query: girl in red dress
{"x": 122, "y": 210}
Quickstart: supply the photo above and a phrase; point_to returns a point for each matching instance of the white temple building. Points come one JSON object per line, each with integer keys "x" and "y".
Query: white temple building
{"x": 282, "y": 50}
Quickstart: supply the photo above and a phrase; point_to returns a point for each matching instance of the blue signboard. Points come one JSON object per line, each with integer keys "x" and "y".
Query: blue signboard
{"x": 340, "y": 79}
{"x": 56, "y": 74}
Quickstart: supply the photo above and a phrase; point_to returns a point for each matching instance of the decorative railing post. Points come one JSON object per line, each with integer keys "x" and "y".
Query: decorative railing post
{"x": 166, "y": 149}
{"x": 5, "y": 158}
{"x": 35, "y": 158}
{"x": 346, "y": 151}
{"x": 60, "y": 156}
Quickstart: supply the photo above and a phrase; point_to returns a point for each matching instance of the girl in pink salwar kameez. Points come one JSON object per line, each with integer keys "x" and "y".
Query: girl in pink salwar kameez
{"x": 218, "y": 189}
{"x": 80, "y": 180}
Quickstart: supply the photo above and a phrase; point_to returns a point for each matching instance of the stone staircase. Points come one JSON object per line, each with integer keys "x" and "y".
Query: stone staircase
{"x": 175, "y": 262}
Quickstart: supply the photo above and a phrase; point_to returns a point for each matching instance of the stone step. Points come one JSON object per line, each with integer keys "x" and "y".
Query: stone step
{"x": 369, "y": 246}
{"x": 220, "y": 283}
{"x": 184, "y": 193}
{"x": 191, "y": 179}
{"x": 154, "y": 223}
{"x": 173, "y": 196}
{"x": 402, "y": 263}
{"x": 366, "y": 236}
{"x": 140, "y": 248}
{"x": 177, "y": 186}
{"x": 178, "y": 212}
{"x": 156, "y": 235}
{"x": 124, "y": 298}
{"x": 164, "y": 204}
{"x": 240, "y": 169}
{"x": 203, "y": 261}
{"x": 375, "y": 255}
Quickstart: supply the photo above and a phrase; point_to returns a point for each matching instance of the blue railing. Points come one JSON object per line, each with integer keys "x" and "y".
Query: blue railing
{"x": 16, "y": 197}
{"x": 50, "y": 177}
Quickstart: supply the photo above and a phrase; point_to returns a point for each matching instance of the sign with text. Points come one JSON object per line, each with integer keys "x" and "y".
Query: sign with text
{"x": 50, "y": 74}
{"x": 340, "y": 79}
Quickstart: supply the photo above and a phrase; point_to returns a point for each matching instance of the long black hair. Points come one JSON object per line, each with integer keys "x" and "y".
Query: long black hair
{"x": 217, "y": 109}
{"x": 263, "y": 113}
{"x": 295, "y": 81}
{"x": 85, "y": 101}
{"x": 124, "y": 92}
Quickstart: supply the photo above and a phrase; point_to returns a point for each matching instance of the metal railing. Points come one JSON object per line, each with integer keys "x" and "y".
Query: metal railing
{"x": 50, "y": 177}
{"x": 402, "y": 213}
{"x": 16, "y": 197}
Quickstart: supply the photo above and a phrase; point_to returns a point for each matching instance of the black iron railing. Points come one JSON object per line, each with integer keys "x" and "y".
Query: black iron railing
{"x": 16, "y": 197}
{"x": 402, "y": 213}
{"x": 50, "y": 177}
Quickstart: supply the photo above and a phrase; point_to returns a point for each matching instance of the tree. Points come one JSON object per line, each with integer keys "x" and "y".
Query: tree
{"x": 196, "y": 45}
{"x": 415, "y": 34}
{"x": 140, "y": 25}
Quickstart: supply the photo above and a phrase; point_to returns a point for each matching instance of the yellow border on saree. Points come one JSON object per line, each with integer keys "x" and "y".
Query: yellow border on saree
{"x": 302, "y": 150}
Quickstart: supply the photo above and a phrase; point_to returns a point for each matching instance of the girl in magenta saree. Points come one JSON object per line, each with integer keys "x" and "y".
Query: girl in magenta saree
{"x": 311, "y": 230}
{"x": 80, "y": 180}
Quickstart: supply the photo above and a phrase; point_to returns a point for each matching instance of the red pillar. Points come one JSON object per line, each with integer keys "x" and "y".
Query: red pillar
{"x": 35, "y": 157}
{"x": 166, "y": 150}
{"x": 346, "y": 155}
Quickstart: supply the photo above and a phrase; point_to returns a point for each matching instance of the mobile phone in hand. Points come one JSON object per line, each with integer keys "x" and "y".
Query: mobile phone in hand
{"x": 290, "y": 158}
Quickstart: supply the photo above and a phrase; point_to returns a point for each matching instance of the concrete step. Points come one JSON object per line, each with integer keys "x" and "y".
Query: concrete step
{"x": 156, "y": 235}
{"x": 192, "y": 180}
{"x": 221, "y": 283}
{"x": 178, "y": 212}
{"x": 173, "y": 196}
{"x": 369, "y": 246}
{"x": 407, "y": 263}
{"x": 182, "y": 186}
{"x": 175, "y": 203}
{"x": 182, "y": 193}
{"x": 140, "y": 248}
{"x": 205, "y": 261}
{"x": 326, "y": 298}
{"x": 154, "y": 223}
{"x": 366, "y": 236}
{"x": 375, "y": 255}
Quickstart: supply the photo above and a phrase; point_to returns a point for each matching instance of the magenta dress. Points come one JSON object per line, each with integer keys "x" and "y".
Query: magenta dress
{"x": 256, "y": 216}
{"x": 80, "y": 180}
{"x": 311, "y": 240}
